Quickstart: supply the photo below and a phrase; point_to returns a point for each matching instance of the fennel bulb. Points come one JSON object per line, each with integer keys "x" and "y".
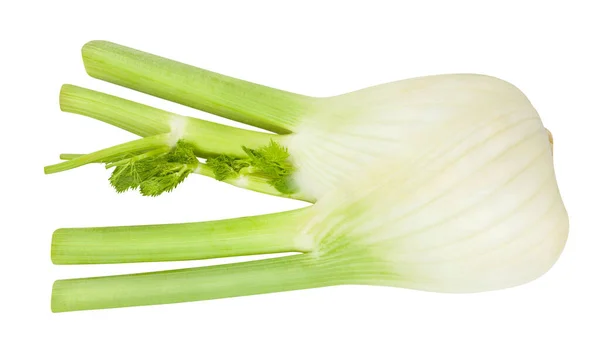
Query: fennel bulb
{"x": 441, "y": 183}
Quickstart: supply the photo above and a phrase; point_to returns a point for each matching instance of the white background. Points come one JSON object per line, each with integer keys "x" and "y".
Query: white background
{"x": 546, "y": 48}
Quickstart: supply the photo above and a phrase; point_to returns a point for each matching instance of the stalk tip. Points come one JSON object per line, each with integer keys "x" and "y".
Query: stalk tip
{"x": 87, "y": 51}
{"x": 56, "y": 305}
{"x": 94, "y": 42}
{"x": 56, "y": 236}
{"x": 64, "y": 94}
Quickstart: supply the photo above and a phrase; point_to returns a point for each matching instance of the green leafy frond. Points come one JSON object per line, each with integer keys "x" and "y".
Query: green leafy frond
{"x": 284, "y": 185}
{"x": 154, "y": 172}
{"x": 269, "y": 162}
{"x": 182, "y": 153}
{"x": 124, "y": 177}
{"x": 225, "y": 166}
{"x": 170, "y": 177}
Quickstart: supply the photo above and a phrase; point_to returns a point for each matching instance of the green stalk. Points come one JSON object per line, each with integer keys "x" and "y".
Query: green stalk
{"x": 135, "y": 146}
{"x": 249, "y": 182}
{"x": 204, "y": 283}
{"x": 208, "y": 138}
{"x": 254, "y": 183}
{"x": 69, "y": 156}
{"x": 128, "y": 115}
{"x": 146, "y": 155}
{"x": 263, "y": 234}
{"x": 239, "y": 100}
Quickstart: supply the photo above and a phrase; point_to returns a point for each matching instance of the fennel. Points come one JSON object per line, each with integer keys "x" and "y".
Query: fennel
{"x": 441, "y": 183}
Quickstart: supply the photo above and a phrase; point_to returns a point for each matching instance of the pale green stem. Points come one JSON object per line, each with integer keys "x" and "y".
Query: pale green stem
{"x": 254, "y": 183}
{"x": 128, "y": 115}
{"x": 116, "y": 151}
{"x": 194, "y": 284}
{"x": 208, "y": 138}
{"x": 69, "y": 156}
{"x": 263, "y": 234}
{"x": 239, "y": 100}
{"x": 149, "y": 154}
